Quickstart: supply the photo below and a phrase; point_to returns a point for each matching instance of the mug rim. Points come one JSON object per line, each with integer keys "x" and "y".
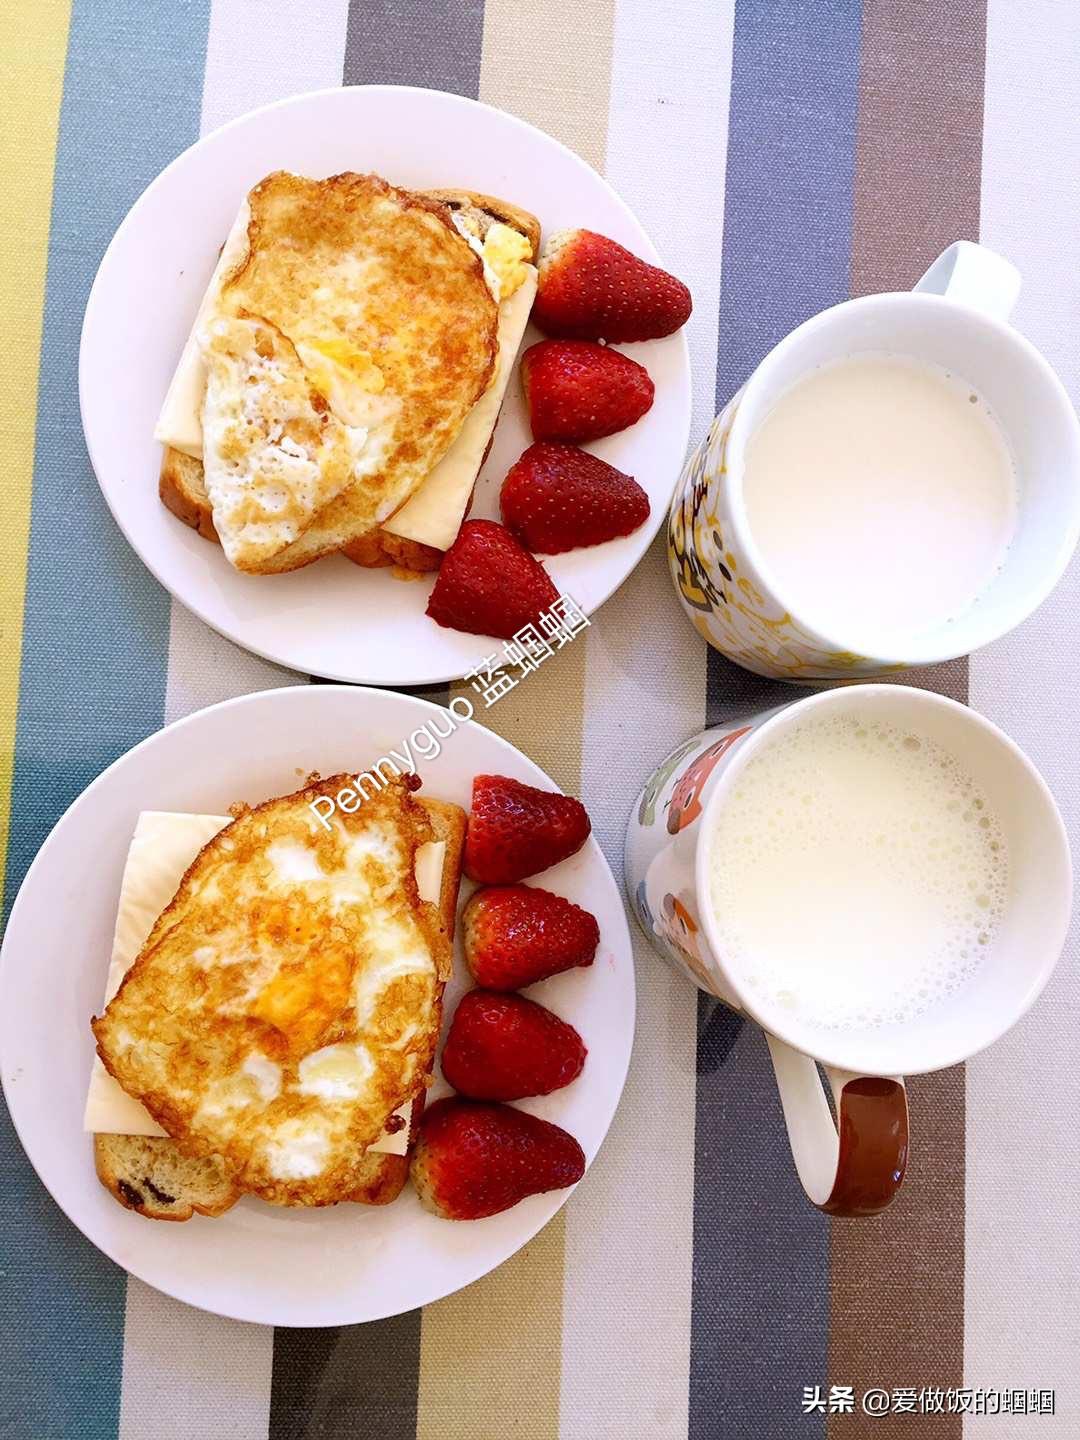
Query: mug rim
{"x": 1030, "y": 599}
{"x": 830, "y": 1050}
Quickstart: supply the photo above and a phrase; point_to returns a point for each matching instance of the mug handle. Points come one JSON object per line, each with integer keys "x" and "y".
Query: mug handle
{"x": 854, "y": 1168}
{"x": 975, "y": 276}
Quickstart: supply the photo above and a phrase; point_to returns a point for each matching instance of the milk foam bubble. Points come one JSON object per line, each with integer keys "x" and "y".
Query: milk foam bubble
{"x": 858, "y": 875}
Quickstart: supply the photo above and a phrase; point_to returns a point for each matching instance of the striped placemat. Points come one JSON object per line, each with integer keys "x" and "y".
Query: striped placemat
{"x": 783, "y": 154}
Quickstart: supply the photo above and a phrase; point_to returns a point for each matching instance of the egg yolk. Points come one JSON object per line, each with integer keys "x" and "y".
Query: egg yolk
{"x": 507, "y": 253}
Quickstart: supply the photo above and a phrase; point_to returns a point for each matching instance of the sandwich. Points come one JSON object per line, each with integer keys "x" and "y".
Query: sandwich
{"x": 274, "y": 1001}
{"x": 341, "y": 383}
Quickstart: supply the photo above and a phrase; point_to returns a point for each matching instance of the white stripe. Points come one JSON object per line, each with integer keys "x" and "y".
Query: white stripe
{"x": 186, "y": 1373}
{"x": 204, "y": 667}
{"x": 1022, "y": 1302}
{"x": 667, "y": 155}
{"x": 629, "y": 1232}
{"x": 254, "y": 55}
{"x": 190, "y": 1374}
{"x": 257, "y": 52}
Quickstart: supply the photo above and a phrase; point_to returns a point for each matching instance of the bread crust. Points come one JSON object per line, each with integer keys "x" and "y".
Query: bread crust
{"x": 139, "y": 1171}
{"x": 501, "y": 210}
{"x": 379, "y": 549}
{"x": 181, "y": 490}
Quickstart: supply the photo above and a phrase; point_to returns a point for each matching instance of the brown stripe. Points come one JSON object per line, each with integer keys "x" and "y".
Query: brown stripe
{"x": 897, "y": 1281}
{"x": 918, "y": 148}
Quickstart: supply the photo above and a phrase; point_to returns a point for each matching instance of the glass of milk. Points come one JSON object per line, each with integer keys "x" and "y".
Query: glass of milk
{"x": 880, "y": 879}
{"x": 898, "y": 483}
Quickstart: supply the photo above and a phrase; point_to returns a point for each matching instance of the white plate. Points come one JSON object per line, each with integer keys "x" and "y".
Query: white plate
{"x": 321, "y": 1267}
{"x": 333, "y": 618}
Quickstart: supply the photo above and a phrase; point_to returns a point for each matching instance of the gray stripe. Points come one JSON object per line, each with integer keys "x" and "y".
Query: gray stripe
{"x": 355, "y": 1382}
{"x": 761, "y": 1263}
{"x": 399, "y": 42}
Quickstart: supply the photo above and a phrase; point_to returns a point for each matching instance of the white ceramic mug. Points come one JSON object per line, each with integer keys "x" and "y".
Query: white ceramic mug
{"x": 955, "y": 318}
{"x": 854, "y": 1166}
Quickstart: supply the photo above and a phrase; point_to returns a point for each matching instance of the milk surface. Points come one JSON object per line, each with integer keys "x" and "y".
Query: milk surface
{"x": 858, "y": 875}
{"x": 882, "y": 496}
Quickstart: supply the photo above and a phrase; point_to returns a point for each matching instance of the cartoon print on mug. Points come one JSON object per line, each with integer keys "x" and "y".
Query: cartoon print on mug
{"x": 669, "y": 918}
{"x": 661, "y": 826}
{"x": 684, "y": 805}
{"x": 657, "y": 781}
{"x": 678, "y": 926}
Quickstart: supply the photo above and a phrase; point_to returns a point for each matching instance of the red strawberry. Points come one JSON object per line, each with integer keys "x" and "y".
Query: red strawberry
{"x": 557, "y": 498}
{"x": 593, "y": 289}
{"x": 504, "y": 1047}
{"x": 576, "y": 390}
{"x": 516, "y": 830}
{"x": 489, "y": 585}
{"x": 515, "y": 935}
{"x": 475, "y": 1158}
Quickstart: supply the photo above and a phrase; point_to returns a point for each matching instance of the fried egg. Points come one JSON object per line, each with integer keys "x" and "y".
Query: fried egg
{"x": 276, "y": 451}
{"x": 390, "y": 323}
{"x": 288, "y": 999}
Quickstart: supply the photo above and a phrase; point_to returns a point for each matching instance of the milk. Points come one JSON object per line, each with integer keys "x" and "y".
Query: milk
{"x": 857, "y": 875}
{"x": 882, "y": 496}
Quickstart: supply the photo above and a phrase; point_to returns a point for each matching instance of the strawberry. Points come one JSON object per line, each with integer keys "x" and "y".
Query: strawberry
{"x": 515, "y": 935}
{"x": 504, "y": 1047}
{"x": 489, "y": 585}
{"x": 475, "y": 1158}
{"x": 516, "y": 830}
{"x": 593, "y": 289}
{"x": 557, "y": 498}
{"x": 576, "y": 390}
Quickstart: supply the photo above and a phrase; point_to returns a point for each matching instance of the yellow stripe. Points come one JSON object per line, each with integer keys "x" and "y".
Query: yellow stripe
{"x": 33, "y": 43}
{"x": 491, "y": 1356}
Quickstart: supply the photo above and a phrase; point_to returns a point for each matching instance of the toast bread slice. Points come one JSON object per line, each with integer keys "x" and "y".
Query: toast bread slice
{"x": 180, "y": 483}
{"x": 152, "y": 1176}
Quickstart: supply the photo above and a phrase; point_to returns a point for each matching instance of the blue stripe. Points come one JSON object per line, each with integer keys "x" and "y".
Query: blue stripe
{"x": 761, "y": 1258}
{"x": 95, "y": 640}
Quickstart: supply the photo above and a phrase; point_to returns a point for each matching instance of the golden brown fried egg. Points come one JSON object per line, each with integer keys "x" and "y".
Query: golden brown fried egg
{"x": 391, "y": 321}
{"x": 288, "y": 999}
{"x": 276, "y": 452}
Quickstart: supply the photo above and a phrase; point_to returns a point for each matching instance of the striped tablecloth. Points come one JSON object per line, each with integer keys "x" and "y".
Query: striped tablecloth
{"x": 784, "y": 156}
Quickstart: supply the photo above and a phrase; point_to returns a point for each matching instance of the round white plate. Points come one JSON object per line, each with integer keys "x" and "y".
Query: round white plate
{"x": 333, "y": 618}
{"x": 332, "y": 1266}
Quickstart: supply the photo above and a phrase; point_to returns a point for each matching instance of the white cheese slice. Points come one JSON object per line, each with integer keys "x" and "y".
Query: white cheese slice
{"x": 434, "y": 514}
{"x": 428, "y": 867}
{"x": 163, "y": 846}
{"x": 180, "y": 421}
